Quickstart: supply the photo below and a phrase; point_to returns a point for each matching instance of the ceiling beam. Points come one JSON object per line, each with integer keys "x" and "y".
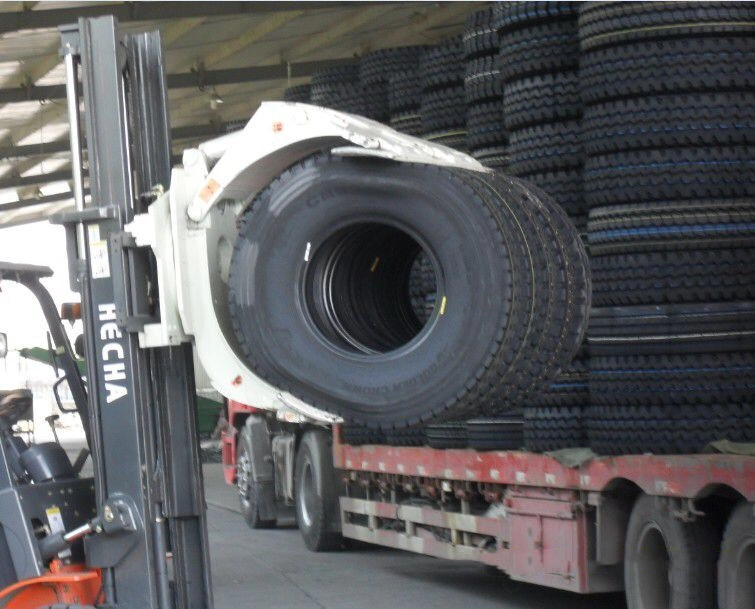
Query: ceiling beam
{"x": 24, "y": 203}
{"x": 193, "y": 79}
{"x": 63, "y": 145}
{"x": 153, "y": 11}
{"x": 45, "y": 178}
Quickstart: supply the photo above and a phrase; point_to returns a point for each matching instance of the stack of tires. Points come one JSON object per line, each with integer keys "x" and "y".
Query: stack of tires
{"x": 298, "y": 93}
{"x": 330, "y": 317}
{"x": 375, "y": 70}
{"x": 443, "y": 106}
{"x": 339, "y": 88}
{"x": 486, "y": 133}
{"x": 668, "y": 126}
{"x": 405, "y": 101}
{"x": 539, "y": 65}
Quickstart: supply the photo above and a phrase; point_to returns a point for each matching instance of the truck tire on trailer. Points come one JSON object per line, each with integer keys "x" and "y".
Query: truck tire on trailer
{"x": 316, "y": 493}
{"x": 668, "y": 563}
{"x": 736, "y": 564}
{"x": 247, "y": 487}
{"x": 328, "y": 315}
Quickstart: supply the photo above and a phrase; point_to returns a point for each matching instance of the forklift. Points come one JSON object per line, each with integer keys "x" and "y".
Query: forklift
{"x": 134, "y": 535}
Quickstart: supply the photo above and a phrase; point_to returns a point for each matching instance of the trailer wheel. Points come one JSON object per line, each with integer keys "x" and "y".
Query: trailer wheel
{"x": 248, "y": 489}
{"x": 736, "y": 565}
{"x": 315, "y": 493}
{"x": 668, "y": 563}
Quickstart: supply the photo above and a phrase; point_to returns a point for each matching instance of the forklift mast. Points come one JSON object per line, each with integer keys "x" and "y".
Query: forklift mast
{"x": 142, "y": 402}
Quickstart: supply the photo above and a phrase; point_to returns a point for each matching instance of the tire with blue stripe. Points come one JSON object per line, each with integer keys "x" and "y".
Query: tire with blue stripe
{"x": 672, "y": 225}
{"x": 681, "y": 378}
{"x": 669, "y": 428}
{"x": 664, "y": 277}
{"x": 668, "y": 66}
{"x": 721, "y": 118}
{"x": 668, "y": 174}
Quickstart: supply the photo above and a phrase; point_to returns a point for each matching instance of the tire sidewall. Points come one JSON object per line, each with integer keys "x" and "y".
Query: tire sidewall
{"x": 306, "y": 210}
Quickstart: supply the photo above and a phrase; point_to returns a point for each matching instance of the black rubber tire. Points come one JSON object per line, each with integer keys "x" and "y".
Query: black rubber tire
{"x": 404, "y": 92}
{"x": 316, "y": 493}
{"x": 451, "y": 138}
{"x": 443, "y": 110}
{"x": 247, "y": 487}
{"x": 566, "y": 189}
{"x": 696, "y": 378}
{"x": 665, "y": 175}
{"x": 615, "y": 23}
{"x": 346, "y": 97}
{"x": 668, "y": 428}
{"x": 299, "y": 93}
{"x": 446, "y": 435}
{"x": 570, "y": 389}
{"x": 546, "y": 148}
{"x": 487, "y": 233}
{"x": 710, "y": 275}
{"x": 482, "y": 80}
{"x": 668, "y": 66}
{"x": 509, "y": 16}
{"x": 411, "y": 124}
{"x": 496, "y": 434}
{"x": 338, "y": 75}
{"x": 546, "y": 48}
{"x": 442, "y": 66}
{"x": 673, "y": 225}
{"x": 376, "y": 67}
{"x": 495, "y": 157}
{"x": 665, "y": 121}
{"x": 736, "y": 562}
{"x": 357, "y": 435}
{"x": 480, "y": 37}
{"x": 408, "y": 436}
{"x": 554, "y": 428}
{"x": 546, "y": 98}
{"x": 668, "y": 563}
{"x": 701, "y": 317}
{"x": 485, "y": 127}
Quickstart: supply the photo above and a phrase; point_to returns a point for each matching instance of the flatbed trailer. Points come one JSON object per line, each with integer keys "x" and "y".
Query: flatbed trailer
{"x": 547, "y": 523}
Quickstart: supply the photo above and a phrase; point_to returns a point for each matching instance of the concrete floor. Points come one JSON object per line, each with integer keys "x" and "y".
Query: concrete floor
{"x": 273, "y": 570}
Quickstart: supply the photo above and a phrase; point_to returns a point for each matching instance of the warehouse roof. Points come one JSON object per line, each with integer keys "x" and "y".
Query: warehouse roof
{"x": 223, "y": 59}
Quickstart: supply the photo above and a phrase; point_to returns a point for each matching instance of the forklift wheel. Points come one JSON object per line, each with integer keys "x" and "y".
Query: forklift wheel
{"x": 247, "y": 487}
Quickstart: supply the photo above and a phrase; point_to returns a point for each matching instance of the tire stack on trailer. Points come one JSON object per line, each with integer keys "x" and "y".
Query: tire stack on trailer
{"x": 298, "y": 93}
{"x": 668, "y": 126}
{"x": 539, "y": 65}
{"x": 375, "y": 71}
{"x": 486, "y": 133}
{"x": 443, "y": 106}
{"x": 539, "y": 60}
{"x": 339, "y": 88}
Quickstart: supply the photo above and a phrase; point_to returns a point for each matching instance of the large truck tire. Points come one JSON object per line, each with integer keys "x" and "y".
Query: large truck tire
{"x": 249, "y": 490}
{"x": 316, "y": 493}
{"x": 736, "y": 563}
{"x": 668, "y": 563}
{"x": 320, "y": 304}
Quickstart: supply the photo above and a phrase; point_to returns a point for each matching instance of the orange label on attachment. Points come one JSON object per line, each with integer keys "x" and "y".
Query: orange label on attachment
{"x": 209, "y": 189}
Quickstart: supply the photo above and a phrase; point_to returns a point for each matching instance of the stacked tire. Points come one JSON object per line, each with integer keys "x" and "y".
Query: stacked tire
{"x": 539, "y": 66}
{"x": 538, "y": 61}
{"x": 486, "y": 132}
{"x": 298, "y": 93}
{"x": 669, "y": 178}
{"x": 512, "y": 282}
{"x": 443, "y": 106}
{"x": 339, "y": 88}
